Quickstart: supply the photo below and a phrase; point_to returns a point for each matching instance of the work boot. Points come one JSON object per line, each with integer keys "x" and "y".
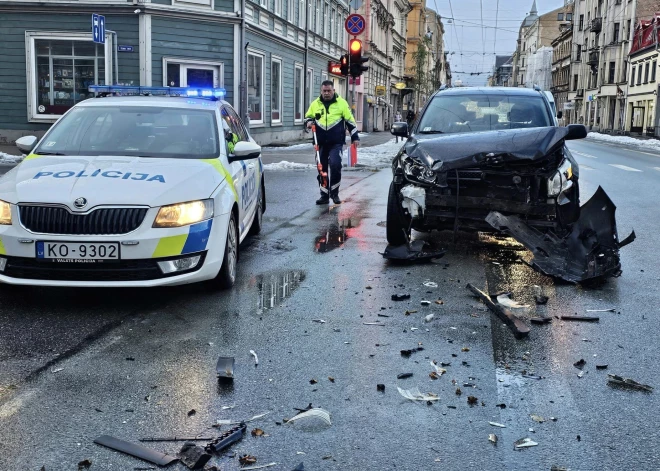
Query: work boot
{"x": 324, "y": 199}
{"x": 335, "y": 198}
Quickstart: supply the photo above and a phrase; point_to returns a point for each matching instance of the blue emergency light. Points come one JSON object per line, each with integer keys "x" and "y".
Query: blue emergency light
{"x": 190, "y": 92}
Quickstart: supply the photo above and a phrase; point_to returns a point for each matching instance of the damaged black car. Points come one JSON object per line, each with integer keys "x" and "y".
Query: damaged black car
{"x": 494, "y": 160}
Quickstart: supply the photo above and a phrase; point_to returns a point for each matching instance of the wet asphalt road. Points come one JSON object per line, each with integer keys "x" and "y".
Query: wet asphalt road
{"x": 77, "y": 364}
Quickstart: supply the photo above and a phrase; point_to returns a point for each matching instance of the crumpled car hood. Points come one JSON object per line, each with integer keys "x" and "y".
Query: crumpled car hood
{"x": 442, "y": 153}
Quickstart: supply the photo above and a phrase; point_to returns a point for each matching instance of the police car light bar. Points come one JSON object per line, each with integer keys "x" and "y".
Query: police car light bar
{"x": 126, "y": 90}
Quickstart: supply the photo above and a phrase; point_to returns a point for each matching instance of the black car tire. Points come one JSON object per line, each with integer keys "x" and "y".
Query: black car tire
{"x": 257, "y": 220}
{"x": 227, "y": 274}
{"x": 397, "y": 224}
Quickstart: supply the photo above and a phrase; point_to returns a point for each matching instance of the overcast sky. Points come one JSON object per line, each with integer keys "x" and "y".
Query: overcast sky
{"x": 465, "y": 35}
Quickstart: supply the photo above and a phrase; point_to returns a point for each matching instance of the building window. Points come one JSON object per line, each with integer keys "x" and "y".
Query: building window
{"x": 291, "y": 10}
{"x": 190, "y": 73}
{"x": 611, "y": 72}
{"x": 60, "y": 69}
{"x": 255, "y": 84}
{"x": 263, "y": 3}
{"x": 632, "y": 77}
{"x": 581, "y": 24}
{"x": 298, "y": 94}
{"x": 560, "y": 16}
{"x": 317, "y": 27}
{"x": 326, "y": 23}
{"x": 653, "y": 67}
{"x": 578, "y": 54}
{"x": 615, "y": 38}
{"x": 569, "y": 16}
{"x": 646, "y": 72}
{"x": 278, "y": 7}
{"x": 188, "y": 3}
{"x": 639, "y": 75}
{"x": 575, "y": 82}
{"x": 332, "y": 26}
{"x": 276, "y": 91}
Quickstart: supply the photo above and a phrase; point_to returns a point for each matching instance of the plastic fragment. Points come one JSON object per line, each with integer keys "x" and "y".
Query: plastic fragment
{"x": 430, "y": 284}
{"x": 429, "y": 318}
{"x": 312, "y": 413}
{"x": 506, "y": 301}
{"x": 261, "y": 466}
{"x": 537, "y": 418}
{"x": 495, "y": 424}
{"x": 616, "y": 379}
{"x": 524, "y": 443}
{"x": 415, "y": 395}
{"x": 492, "y": 438}
{"x": 256, "y": 358}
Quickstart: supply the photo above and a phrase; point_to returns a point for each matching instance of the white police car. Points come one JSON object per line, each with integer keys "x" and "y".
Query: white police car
{"x": 136, "y": 187}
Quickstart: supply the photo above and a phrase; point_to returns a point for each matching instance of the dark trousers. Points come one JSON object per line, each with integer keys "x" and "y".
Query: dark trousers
{"x": 333, "y": 154}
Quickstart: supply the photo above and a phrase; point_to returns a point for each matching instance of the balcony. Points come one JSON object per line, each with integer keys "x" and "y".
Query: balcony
{"x": 593, "y": 58}
{"x": 596, "y": 25}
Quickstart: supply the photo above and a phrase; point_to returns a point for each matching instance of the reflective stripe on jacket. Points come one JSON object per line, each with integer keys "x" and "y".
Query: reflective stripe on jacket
{"x": 332, "y": 118}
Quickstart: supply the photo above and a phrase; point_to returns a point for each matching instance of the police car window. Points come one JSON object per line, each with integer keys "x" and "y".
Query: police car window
{"x": 236, "y": 124}
{"x": 142, "y": 131}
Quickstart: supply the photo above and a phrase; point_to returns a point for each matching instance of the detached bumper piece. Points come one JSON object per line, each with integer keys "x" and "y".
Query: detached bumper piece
{"x": 590, "y": 251}
{"x": 138, "y": 451}
{"x": 412, "y": 252}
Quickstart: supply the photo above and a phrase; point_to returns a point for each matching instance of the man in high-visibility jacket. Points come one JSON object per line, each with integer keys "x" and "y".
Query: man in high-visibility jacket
{"x": 332, "y": 116}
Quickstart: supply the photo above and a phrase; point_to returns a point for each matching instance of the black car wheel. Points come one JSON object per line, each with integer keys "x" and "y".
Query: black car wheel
{"x": 398, "y": 224}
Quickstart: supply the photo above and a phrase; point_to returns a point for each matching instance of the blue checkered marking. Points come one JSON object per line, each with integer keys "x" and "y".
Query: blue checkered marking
{"x": 198, "y": 237}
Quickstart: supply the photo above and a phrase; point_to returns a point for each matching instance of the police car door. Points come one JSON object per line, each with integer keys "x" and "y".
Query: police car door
{"x": 243, "y": 173}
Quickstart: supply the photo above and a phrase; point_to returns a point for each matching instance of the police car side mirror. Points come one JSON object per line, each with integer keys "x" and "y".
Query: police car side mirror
{"x": 26, "y": 143}
{"x": 244, "y": 150}
{"x": 400, "y": 129}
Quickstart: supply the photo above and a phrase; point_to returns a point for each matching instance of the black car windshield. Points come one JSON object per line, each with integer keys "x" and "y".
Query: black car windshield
{"x": 477, "y": 112}
{"x": 140, "y": 131}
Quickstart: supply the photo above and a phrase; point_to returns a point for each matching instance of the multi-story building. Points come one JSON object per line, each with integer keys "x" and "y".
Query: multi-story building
{"x": 601, "y": 42}
{"x": 276, "y": 54}
{"x": 399, "y": 51}
{"x": 641, "y": 113}
{"x": 436, "y": 58}
{"x": 502, "y": 72}
{"x": 519, "y": 69}
{"x": 561, "y": 69}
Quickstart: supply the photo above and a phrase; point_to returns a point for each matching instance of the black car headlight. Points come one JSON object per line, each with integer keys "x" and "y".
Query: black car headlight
{"x": 416, "y": 171}
{"x": 562, "y": 179}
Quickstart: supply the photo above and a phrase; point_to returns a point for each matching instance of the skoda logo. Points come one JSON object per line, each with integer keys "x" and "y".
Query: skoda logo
{"x": 80, "y": 203}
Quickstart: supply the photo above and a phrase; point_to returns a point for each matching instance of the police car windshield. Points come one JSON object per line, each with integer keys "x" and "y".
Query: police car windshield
{"x": 135, "y": 131}
{"x": 482, "y": 112}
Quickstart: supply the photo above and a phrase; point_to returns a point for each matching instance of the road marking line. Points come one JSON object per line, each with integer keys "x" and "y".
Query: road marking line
{"x": 586, "y": 167}
{"x": 585, "y": 155}
{"x": 624, "y": 167}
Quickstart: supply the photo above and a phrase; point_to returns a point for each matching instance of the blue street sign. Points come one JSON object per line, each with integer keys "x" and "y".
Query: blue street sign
{"x": 125, "y": 48}
{"x": 355, "y": 24}
{"x": 98, "y": 28}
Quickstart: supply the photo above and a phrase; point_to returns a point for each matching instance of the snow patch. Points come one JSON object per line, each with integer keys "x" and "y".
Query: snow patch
{"x": 379, "y": 156}
{"x": 308, "y": 145}
{"x": 652, "y": 144}
{"x": 9, "y": 159}
{"x": 286, "y": 165}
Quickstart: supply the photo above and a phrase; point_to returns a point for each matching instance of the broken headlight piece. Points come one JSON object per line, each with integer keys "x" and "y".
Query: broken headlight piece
{"x": 418, "y": 172}
{"x": 561, "y": 180}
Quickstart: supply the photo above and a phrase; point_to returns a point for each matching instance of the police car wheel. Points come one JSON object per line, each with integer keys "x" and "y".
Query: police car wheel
{"x": 257, "y": 221}
{"x": 227, "y": 275}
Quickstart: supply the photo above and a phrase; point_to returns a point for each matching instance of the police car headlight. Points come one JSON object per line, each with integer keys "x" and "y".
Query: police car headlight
{"x": 5, "y": 213}
{"x": 183, "y": 214}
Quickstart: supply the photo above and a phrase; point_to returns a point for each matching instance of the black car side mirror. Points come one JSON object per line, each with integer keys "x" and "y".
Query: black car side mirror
{"x": 400, "y": 129}
{"x": 576, "y": 131}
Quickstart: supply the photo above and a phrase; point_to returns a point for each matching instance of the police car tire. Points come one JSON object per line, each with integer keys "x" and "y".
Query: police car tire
{"x": 257, "y": 221}
{"x": 227, "y": 274}
{"x": 397, "y": 223}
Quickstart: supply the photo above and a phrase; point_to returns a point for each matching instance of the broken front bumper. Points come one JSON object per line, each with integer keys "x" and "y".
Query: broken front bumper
{"x": 590, "y": 250}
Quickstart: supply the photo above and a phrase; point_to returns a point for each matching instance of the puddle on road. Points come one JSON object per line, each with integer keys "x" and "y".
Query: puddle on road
{"x": 334, "y": 236}
{"x": 276, "y": 287}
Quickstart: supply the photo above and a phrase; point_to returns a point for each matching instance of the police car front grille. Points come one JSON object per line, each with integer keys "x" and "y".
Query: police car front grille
{"x": 102, "y": 221}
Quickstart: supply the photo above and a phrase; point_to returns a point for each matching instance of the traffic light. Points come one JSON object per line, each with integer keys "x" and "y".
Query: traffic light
{"x": 343, "y": 65}
{"x": 356, "y": 59}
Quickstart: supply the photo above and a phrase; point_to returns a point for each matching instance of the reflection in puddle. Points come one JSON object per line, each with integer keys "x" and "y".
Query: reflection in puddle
{"x": 275, "y": 288}
{"x": 335, "y": 236}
